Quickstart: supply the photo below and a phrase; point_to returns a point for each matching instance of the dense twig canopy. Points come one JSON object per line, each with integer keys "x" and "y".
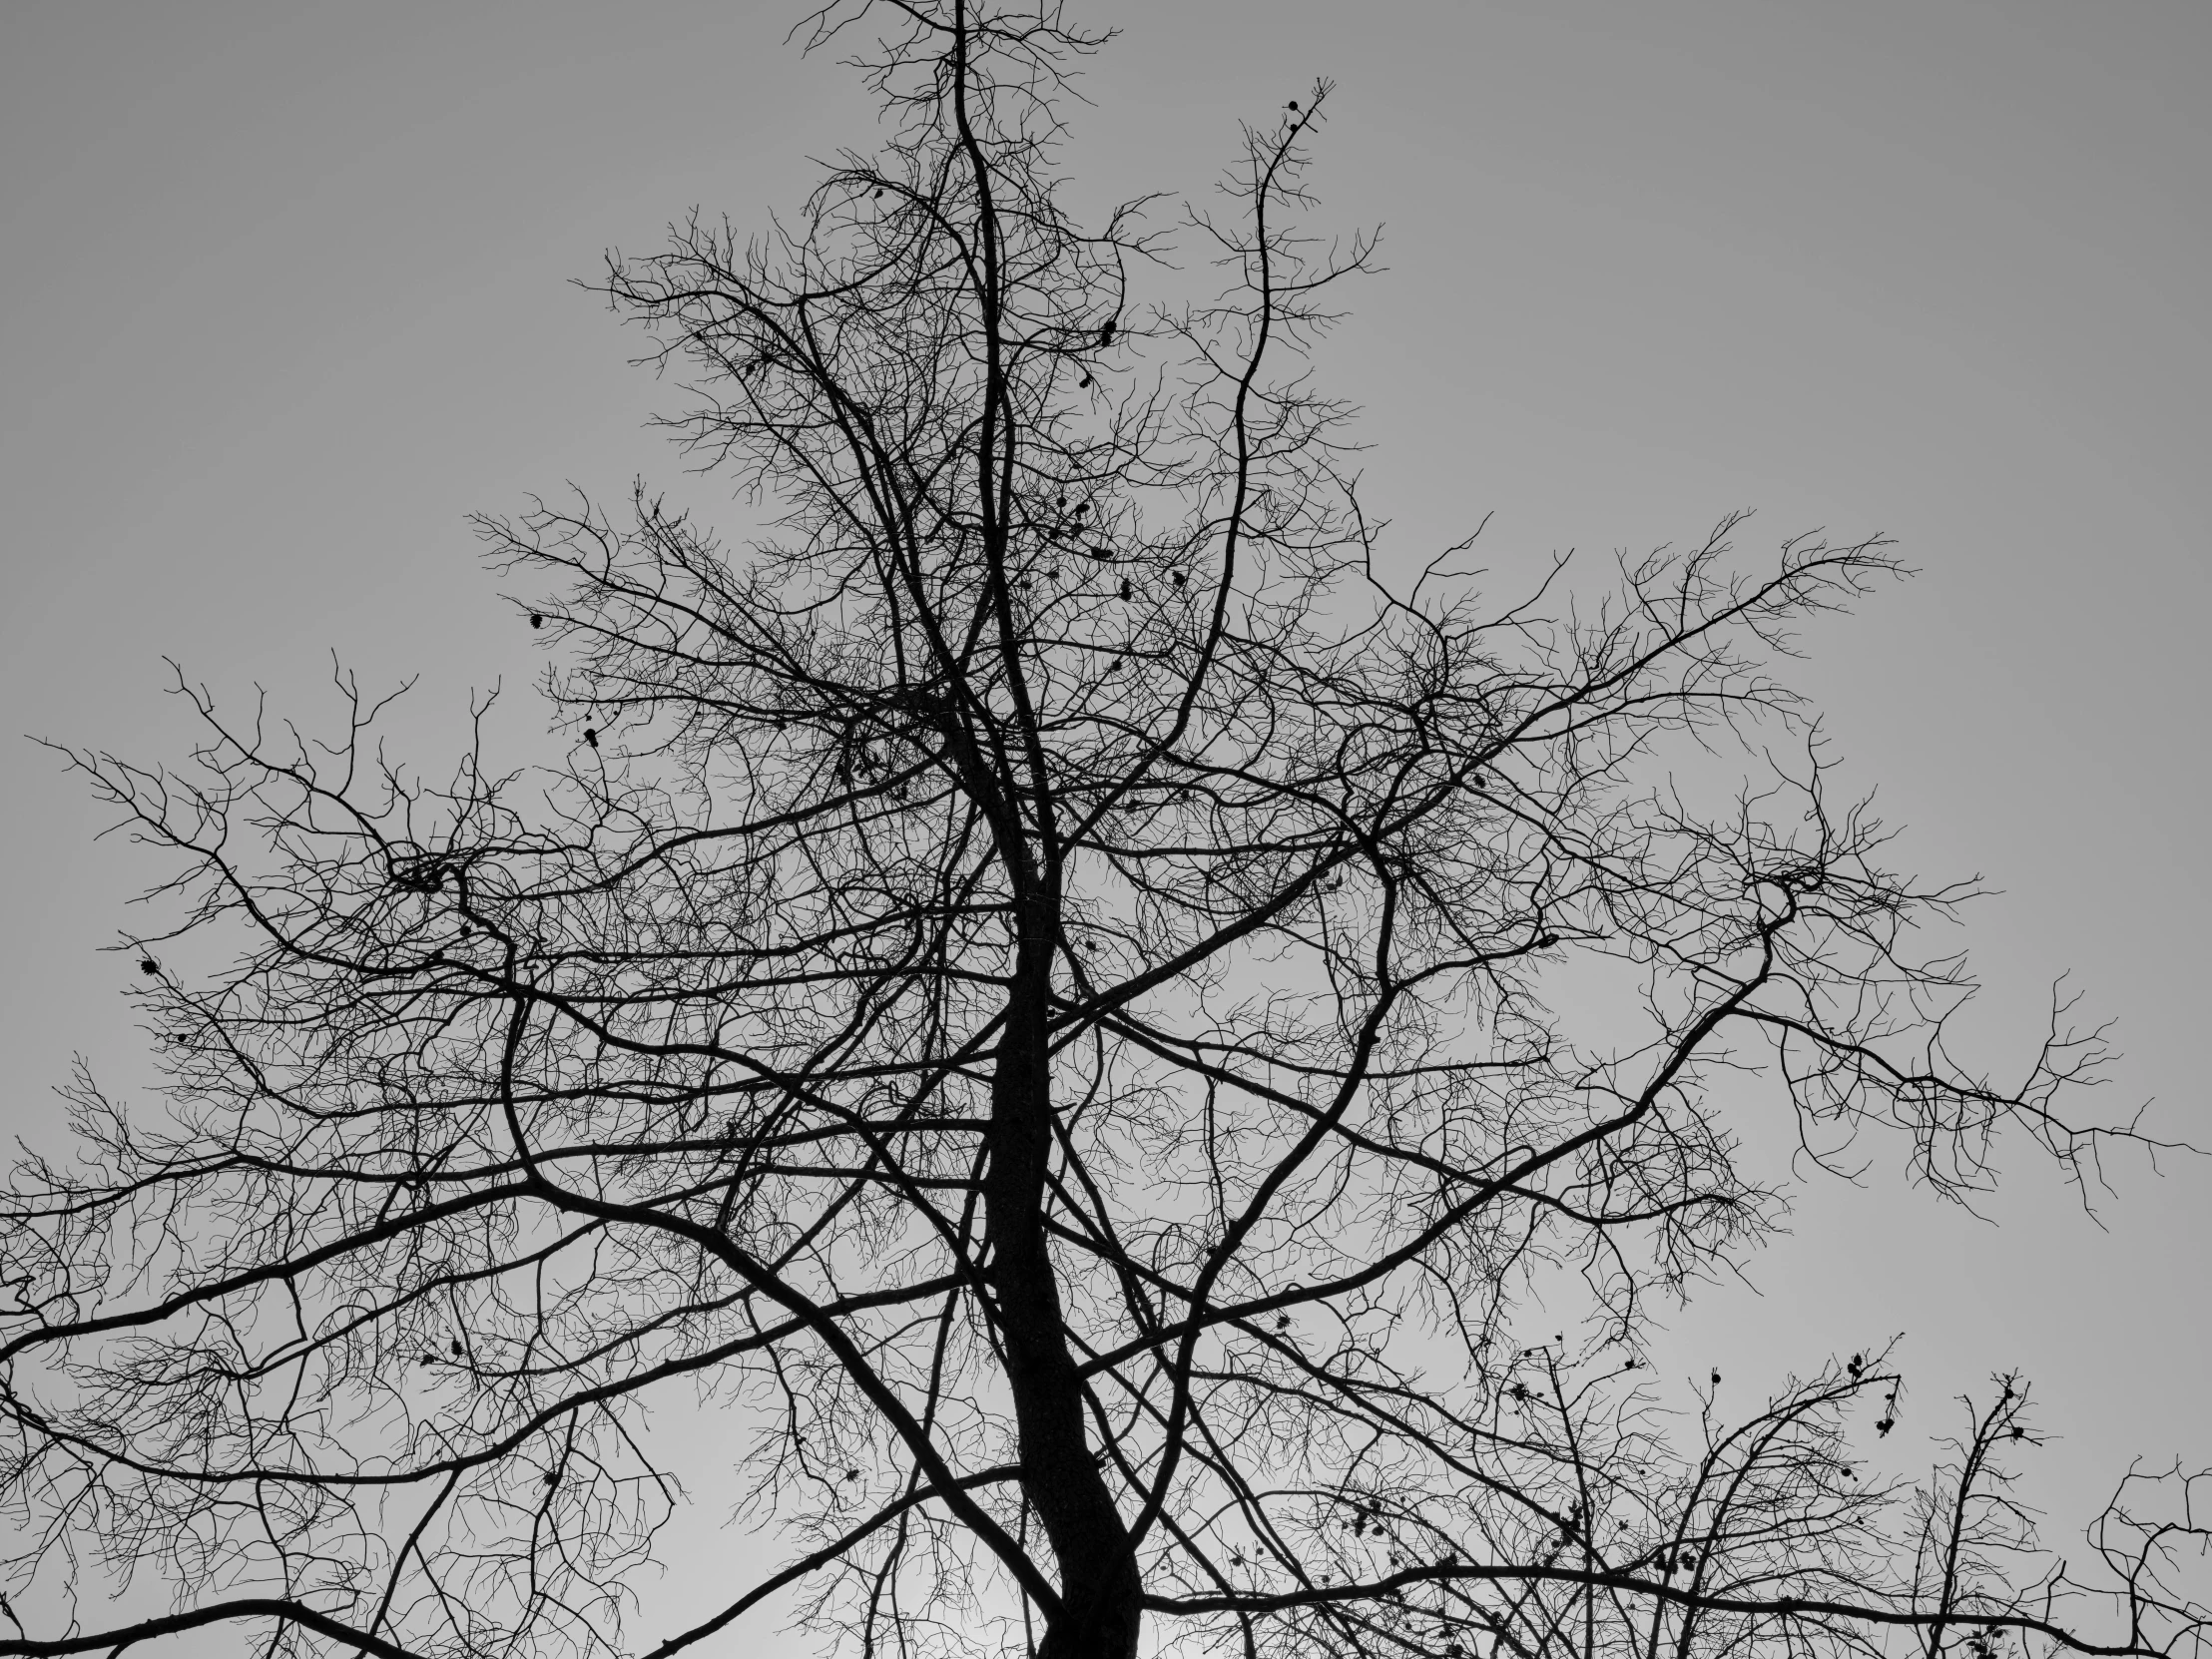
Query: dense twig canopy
{"x": 1068, "y": 1007}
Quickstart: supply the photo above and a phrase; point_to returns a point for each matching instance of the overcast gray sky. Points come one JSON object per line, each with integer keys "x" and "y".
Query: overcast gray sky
{"x": 285, "y": 298}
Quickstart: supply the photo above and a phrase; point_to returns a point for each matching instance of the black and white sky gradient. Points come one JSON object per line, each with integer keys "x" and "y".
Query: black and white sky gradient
{"x": 285, "y": 298}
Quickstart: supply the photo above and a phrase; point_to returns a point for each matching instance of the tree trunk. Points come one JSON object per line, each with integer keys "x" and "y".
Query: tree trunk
{"x": 1099, "y": 1587}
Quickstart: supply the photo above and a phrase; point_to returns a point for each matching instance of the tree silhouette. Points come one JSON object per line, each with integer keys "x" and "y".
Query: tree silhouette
{"x": 1066, "y": 1008}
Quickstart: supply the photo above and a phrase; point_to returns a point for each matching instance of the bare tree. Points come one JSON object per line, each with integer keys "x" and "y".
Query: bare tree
{"x": 1069, "y": 1010}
